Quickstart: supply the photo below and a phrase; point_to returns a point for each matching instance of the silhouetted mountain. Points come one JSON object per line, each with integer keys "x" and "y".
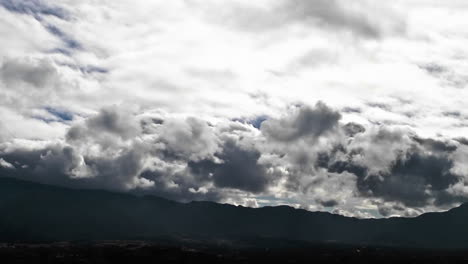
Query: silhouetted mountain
{"x": 36, "y": 212}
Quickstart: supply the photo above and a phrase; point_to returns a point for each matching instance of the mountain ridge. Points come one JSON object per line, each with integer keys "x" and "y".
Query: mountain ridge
{"x": 35, "y": 212}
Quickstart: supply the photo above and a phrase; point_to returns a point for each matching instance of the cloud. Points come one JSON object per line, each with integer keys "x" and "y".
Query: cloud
{"x": 413, "y": 179}
{"x": 323, "y": 163}
{"x": 416, "y": 173}
{"x": 6, "y": 164}
{"x": 108, "y": 121}
{"x": 359, "y": 19}
{"x": 70, "y": 43}
{"x": 448, "y": 75}
{"x": 238, "y": 168}
{"x": 191, "y": 138}
{"x": 337, "y": 15}
{"x": 37, "y": 73}
{"x": 49, "y": 164}
{"x": 33, "y": 7}
{"x": 351, "y": 129}
{"x": 304, "y": 121}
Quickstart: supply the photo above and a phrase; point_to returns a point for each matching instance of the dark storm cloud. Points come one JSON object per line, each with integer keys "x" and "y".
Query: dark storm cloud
{"x": 305, "y": 121}
{"x": 413, "y": 179}
{"x": 50, "y": 164}
{"x": 417, "y": 174}
{"x": 239, "y": 169}
{"x": 189, "y": 159}
{"x": 346, "y": 166}
{"x": 60, "y": 165}
{"x": 123, "y": 165}
{"x": 116, "y": 172}
{"x": 112, "y": 165}
{"x": 104, "y": 152}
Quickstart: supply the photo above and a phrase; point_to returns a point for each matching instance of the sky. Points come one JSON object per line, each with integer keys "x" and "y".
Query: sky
{"x": 351, "y": 107}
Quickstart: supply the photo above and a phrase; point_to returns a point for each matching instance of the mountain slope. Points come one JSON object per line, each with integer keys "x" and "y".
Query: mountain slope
{"x": 32, "y": 211}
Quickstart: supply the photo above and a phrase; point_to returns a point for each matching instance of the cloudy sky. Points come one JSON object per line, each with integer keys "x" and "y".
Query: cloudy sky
{"x": 353, "y": 107}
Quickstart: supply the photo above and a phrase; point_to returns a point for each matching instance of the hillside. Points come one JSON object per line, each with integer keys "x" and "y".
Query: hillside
{"x": 36, "y": 212}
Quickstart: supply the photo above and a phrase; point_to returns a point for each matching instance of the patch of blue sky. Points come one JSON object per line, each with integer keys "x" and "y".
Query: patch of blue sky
{"x": 60, "y": 114}
{"x": 255, "y": 122}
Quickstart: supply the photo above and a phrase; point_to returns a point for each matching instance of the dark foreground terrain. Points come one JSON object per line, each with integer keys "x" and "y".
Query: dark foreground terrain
{"x": 144, "y": 252}
{"x": 148, "y": 229}
{"x": 35, "y": 212}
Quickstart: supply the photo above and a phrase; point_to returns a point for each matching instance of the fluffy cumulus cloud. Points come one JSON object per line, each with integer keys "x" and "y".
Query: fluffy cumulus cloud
{"x": 352, "y": 108}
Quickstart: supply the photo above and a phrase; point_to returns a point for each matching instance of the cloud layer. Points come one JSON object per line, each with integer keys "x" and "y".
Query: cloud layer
{"x": 308, "y": 158}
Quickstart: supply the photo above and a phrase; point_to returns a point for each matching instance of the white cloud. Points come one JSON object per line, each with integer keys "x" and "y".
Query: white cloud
{"x": 6, "y": 164}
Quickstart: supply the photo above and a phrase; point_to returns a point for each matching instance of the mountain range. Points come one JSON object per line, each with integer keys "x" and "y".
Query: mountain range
{"x": 36, "y": 212}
